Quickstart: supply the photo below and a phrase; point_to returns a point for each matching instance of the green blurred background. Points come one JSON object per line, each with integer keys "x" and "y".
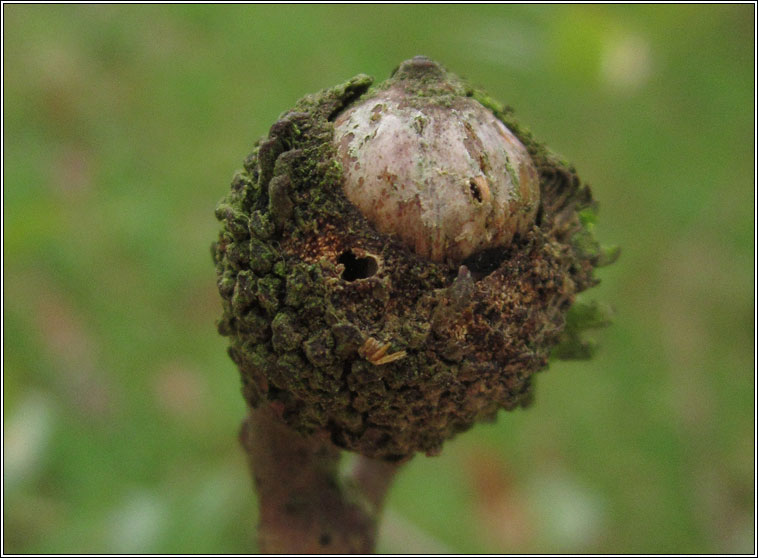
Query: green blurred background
{"x": 123, "y": 127}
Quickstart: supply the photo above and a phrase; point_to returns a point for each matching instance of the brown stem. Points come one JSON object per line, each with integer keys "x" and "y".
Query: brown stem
{"x": 305, "y": 508}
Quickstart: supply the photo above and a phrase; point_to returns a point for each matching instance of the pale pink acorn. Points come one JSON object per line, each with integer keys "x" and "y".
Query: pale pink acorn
{"x": 434, "y": 167}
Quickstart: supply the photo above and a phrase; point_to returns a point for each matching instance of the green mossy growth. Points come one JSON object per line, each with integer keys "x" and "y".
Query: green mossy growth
{"x": 306, "y": 281}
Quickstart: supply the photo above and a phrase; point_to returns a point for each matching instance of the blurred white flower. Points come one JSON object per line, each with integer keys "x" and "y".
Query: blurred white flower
{"x": 626, "y": 62}
{"x": 136, "y": 524}
{"x": 570, "y": 515}
{"x": 26, "y": 436}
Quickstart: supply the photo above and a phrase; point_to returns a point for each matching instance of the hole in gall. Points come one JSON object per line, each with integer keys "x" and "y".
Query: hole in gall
{"x": 357, "y": 267}
{"x": 475, "y": 191}
{"x": 485, "y": 262}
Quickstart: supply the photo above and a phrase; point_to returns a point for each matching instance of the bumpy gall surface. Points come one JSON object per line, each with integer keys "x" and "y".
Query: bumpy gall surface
{"x": 347, "y": 326}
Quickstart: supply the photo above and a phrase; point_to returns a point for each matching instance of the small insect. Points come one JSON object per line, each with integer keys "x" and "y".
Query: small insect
{"x": 376, "y": 353}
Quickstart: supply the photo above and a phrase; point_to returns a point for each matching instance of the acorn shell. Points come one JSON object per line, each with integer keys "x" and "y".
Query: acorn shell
{"x": 434, "y": 167}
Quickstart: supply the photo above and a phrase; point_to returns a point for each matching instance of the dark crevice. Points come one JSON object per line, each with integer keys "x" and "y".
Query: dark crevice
{"x": 352, "y": 94}
{"x": 540, "y": 214}
{"x": 485, "y": 262}
{"x": 357, "y": 267}
{"x": 475, "y": 191}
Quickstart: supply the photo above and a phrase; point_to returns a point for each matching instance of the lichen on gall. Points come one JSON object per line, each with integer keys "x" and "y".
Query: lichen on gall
{"x": 392, "y": 294}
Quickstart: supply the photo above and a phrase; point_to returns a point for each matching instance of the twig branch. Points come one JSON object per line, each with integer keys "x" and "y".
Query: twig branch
{"x": 305, "y": 507}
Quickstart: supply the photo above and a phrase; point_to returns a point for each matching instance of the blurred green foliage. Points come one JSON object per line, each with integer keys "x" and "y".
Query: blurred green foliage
{"x": 123, "y": 126}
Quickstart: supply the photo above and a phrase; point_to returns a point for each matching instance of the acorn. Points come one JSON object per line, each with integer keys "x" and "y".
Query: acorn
{"x": 433, "y": 166}
{"x": 397, "y": 261}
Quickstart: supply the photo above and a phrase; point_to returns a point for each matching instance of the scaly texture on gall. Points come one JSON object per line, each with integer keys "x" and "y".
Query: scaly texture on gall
{"x": 395, "y": 263}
